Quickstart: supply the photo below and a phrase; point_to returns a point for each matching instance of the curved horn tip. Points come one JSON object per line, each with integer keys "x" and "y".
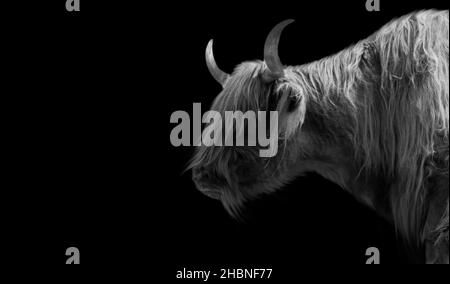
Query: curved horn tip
{"x": 209, "y": 47}
{"x": 283, "y": 24}
{"x": 218, "y": 74}
{"x": 209, "y": 53}
{"x": 271, "y": 50}
{"x": 288, "y": 21}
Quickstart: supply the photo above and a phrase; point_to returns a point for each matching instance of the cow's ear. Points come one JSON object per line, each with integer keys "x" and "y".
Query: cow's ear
{"x": 369, "y": 59}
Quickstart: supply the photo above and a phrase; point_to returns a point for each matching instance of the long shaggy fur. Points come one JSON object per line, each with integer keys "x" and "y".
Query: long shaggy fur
{"x": 407, "y": 110}
{"x": 384, "y": 102}
{"x": 392, "y": 90}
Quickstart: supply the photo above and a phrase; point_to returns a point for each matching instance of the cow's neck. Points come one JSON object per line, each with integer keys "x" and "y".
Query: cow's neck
{"x": 370, "y": 191}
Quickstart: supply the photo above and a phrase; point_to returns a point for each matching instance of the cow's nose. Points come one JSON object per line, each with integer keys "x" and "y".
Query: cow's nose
{"x": 203, "y": 183}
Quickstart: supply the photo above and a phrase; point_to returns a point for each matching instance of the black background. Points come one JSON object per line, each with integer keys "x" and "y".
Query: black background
{"x": 92, "y": 163}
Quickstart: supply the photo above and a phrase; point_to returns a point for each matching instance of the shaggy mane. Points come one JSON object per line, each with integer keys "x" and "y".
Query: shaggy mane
{"x": 392, "y": 92}
{"x": 408, "y": 112}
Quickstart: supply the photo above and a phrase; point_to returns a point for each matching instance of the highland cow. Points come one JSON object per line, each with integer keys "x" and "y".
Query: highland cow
{"x": 372, "y": 118}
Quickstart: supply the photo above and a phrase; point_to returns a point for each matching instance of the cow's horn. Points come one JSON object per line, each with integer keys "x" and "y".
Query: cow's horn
{"x": 271, "y": 52}
{"x": 218, "y": 74}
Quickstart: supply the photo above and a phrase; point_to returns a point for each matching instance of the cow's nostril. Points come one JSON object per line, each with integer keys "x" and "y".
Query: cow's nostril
{"x": 196, "y": 174}
{"x": 201, "y": 174}
{"x": 202, "y": 180}
{"x": 198, "y": 177}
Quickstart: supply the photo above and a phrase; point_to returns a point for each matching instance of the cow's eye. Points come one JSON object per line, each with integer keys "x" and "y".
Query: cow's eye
{"x": 293, "y": 103}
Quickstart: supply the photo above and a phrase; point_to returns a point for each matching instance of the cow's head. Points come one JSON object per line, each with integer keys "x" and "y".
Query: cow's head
{"x": 236, "y": 174}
